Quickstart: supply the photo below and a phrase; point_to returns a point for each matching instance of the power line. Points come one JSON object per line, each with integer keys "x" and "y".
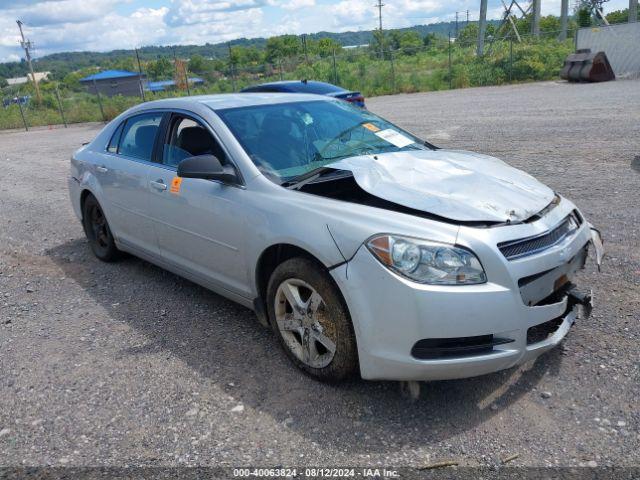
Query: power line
{"x": 28, "y": 46}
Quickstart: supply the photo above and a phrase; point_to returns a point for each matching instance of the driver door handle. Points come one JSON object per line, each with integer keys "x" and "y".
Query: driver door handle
{"x": 158, "y": 185}
{"x": 102, "y": 169}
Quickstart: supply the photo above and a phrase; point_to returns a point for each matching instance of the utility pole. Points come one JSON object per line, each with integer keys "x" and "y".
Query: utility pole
{"x": 335, "y": 70}
{"x": 175, "y": 64}
{"x": 232, "y": 67}
{"x": 467, "y": 24}
{"x": 633, "y": 11}
{"x": 186, "y": 78}
{"x": 60, "y": 109}
{"x": 456, "y": 28}
{"x": 450, "y": 71}
{"x": 482, "y": 27}
{"x": 27, "y": 45}
{"x": 535, "y": 18}
{"x": 140, "y": 76}
{"x": 564, "y": 15}
{"x": 304, "y": 46}
{"x": 380, "y": 5}
{"x": 95, "y": 87}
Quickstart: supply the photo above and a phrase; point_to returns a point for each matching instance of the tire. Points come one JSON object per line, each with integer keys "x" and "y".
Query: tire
{"x": 97, "y": 230}
{"x": 318, "y": 335}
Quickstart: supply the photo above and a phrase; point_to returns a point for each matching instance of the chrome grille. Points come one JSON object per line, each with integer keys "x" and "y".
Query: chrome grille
{"x": 529, "y": 246}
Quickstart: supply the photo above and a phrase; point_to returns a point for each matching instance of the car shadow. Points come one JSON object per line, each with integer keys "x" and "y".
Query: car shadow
{"x": 223, "y": 342}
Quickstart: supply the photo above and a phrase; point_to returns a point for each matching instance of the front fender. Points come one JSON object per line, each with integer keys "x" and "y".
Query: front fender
{"x": 318, "y": 244}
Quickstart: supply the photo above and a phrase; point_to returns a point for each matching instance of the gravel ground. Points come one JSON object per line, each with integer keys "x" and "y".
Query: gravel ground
{"x": 126, "y": 364}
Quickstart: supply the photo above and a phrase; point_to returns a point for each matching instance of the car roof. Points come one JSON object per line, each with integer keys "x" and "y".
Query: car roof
{"x": 297, "y": 82}
{"x": 234, "y": 100}
{"x": 300, "y": 85}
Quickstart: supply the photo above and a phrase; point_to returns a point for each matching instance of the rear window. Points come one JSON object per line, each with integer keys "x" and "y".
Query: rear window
{"x": 115, "y": 139}
{"x": 257, "y": 88}
{"x": 318, "y": 88}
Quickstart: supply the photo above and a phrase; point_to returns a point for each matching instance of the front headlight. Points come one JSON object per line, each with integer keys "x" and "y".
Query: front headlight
{"x": 427, "y": 262}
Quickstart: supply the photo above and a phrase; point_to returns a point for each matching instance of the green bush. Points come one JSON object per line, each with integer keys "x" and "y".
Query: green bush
{"x": 414, "y": 70}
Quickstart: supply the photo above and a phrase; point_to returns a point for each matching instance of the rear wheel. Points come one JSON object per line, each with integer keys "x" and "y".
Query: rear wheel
{"x": 311, "y": 320}
{"x": 97, "y": 230}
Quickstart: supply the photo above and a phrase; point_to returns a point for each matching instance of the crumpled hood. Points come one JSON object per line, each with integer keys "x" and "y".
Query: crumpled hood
{"x": 457, "y": 185}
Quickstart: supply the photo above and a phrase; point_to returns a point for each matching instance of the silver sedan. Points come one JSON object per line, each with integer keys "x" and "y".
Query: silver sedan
{"x": 365, "y": 248}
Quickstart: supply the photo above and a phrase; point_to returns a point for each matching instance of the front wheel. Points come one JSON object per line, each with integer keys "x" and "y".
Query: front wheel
{"x": 97, "y": 230}
{"x": 311, "y": 320}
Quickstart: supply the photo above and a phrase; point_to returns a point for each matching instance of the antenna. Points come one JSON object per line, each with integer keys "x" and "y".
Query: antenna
{"x": 28, "y": 46}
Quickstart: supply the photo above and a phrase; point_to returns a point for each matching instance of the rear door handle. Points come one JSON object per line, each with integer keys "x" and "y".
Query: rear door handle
{"x": 159, "y": 185}
{"x": 102, "y": 169}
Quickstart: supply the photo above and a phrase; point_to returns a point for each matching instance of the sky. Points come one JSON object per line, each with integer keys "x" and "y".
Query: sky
{"x": 103, "y": 25}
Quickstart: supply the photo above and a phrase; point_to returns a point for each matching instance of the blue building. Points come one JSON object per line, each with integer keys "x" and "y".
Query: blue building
{"x": 163, "y": 85}
{"x": 115, "y": 82}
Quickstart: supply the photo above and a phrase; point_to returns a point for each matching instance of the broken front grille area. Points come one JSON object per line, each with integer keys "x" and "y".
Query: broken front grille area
{"x": 539, "y": 333}
{"x": 459, "y": 347}
{"x": 551, "y": 286}
{"x": 575, "y": 298}
{"x": 514, "y": 249}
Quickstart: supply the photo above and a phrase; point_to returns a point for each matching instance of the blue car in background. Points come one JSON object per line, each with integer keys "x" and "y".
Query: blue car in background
{"x": 309, "y": 86}
{"x": 23, "y": 100}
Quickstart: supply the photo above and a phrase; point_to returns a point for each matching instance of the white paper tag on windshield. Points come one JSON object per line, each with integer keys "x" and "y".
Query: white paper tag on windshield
{"x": 394, "y": 138}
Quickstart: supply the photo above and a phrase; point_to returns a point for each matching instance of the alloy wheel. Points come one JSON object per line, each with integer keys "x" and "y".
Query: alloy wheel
{"x": 99, "y": 226}
{"x": 304, "y": 323}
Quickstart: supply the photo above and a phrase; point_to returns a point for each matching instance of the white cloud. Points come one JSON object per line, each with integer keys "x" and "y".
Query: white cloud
{"x": 353, "y": 14}
{"x": 298, "y": 4}
{"x": 219, "y": 27}
{"x": 413, "y": 6}
{"x": 65, "y": 11}
{"x": 192, "y": 12}
{"x": 68, "y": 25}
{"x": 109, "y": 31}
{"x": 13, "y": 4}
{"x": 288, "y": 25}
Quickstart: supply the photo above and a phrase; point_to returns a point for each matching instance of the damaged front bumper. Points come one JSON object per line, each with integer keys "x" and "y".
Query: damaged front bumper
{"x": 411, "y": 331}
{"x": 596, "y": 241}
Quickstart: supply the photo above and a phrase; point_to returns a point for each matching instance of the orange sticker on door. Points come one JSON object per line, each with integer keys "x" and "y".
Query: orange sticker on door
{"x": 175, "y": 185}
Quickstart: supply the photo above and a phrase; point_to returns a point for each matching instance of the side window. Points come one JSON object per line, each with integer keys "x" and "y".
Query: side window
{"x": 115, "y": 139}
{"x": 187, "y": 138}
{"x": 139, "y": 135}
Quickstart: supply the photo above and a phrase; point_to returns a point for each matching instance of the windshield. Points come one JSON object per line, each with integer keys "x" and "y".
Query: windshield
{"x": 289, "y": 140}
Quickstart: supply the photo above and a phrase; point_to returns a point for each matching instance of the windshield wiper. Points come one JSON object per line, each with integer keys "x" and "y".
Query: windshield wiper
{"x": 299, "y": 181}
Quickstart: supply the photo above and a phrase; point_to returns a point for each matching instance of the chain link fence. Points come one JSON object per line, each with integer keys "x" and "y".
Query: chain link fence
{"x": 441, "y": 64}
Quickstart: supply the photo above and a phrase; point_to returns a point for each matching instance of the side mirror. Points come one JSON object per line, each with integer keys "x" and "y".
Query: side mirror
{"x": 206, "y": 167}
